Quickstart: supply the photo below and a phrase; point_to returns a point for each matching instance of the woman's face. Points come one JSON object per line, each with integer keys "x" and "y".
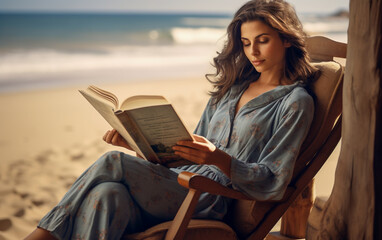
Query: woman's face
{"x": 263, "y": 46}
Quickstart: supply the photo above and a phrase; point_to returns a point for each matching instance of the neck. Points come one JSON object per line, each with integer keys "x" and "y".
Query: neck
{"x": 273, "y": 79}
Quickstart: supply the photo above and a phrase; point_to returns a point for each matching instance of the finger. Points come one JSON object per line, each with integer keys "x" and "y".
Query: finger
{"x": 109, "y": 137}
{"x": 195, "y": 145}
{"x": 199, "y": 138}
{"x": 115, "y": 140}
{"x": 189, "y": 157}
{"x": 186, "y": 143}
{"x": 105, "y": 135}
{"x": 190, "y": 151}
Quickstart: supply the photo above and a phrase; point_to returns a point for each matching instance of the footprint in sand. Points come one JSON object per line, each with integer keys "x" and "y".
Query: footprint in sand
{"x": 76, "y": 153}
{"x": 5, "y": 224}
{"x": 45, "y": 156}
{"x": 76, "y": 156}
{"x": 19, "y": 213}
{"x": 23, "y": 192}
{"x": 16, "y": 170}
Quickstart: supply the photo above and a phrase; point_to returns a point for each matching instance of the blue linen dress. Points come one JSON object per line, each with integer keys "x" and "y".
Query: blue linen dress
{"x": 121, "y": 194}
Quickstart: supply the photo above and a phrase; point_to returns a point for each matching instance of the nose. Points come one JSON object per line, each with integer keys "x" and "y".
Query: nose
{"x": 255, "y": 50}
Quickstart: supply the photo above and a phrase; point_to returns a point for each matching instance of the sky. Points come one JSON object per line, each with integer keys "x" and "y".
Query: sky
{"x": 199, "y": 6}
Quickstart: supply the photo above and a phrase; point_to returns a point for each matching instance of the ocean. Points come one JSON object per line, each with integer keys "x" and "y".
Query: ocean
{"x": 64, "y": 49}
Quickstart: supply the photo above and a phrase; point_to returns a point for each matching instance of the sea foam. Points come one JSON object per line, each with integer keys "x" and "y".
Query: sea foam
{"x": 197, "y": 35}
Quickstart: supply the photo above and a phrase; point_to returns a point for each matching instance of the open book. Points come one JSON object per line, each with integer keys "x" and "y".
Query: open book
{"x": 149, "y": 124}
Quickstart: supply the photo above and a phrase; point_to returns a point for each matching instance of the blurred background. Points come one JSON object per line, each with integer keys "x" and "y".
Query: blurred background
{"x": 54, "y": 43}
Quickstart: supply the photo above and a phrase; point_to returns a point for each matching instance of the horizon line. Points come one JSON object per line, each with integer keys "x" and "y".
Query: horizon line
{"x": 159, "y": 12}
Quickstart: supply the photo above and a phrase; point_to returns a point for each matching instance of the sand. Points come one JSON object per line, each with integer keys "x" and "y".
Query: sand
{"x": 49, "y": 137}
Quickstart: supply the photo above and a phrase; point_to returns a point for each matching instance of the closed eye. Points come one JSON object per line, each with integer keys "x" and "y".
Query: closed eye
{"x": 245, "y": 42}
{"x": 263, "y": 40}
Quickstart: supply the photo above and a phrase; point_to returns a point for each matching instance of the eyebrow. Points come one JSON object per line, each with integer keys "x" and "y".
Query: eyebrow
{"x": 260, "y": 35}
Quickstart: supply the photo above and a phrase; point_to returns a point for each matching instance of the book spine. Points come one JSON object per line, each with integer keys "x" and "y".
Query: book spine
{"x": 137, "y": 136}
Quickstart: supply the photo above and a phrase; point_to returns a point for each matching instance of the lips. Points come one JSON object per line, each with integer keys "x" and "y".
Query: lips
{"x": 257, "y": 62}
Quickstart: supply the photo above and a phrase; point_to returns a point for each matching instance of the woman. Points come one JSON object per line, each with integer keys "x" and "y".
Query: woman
{"x": 248, "y": 137}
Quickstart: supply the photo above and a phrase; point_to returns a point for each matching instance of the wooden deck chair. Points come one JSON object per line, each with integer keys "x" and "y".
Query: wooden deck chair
{"x": 248, "y": 218}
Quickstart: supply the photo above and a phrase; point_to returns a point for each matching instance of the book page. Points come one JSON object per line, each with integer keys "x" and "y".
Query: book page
{"x": 162, "y": 128}
{"x": 106, "y": 109}
{"x": 105, "y": 94}
{"x": 143, "y": 101}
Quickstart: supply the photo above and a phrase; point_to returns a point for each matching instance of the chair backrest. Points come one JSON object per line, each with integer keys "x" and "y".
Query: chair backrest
{"x": 251, "y": 218}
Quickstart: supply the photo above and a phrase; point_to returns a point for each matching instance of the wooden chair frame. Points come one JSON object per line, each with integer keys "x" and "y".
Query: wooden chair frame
{"x": 311, "y": 158}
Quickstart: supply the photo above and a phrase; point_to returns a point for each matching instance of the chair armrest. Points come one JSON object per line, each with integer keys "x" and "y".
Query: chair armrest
{"x": 204, "y": 184}
{"x": 198, "y": 182}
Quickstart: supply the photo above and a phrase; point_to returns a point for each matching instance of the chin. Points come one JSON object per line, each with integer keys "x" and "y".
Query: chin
{"x": 259, "y": 69}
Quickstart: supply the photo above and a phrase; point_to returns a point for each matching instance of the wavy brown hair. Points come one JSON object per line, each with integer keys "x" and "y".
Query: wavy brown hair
{"x": 232, "y": 66}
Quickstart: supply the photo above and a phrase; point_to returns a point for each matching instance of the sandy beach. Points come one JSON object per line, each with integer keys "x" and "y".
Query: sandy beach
{"x": 48, "y": 137}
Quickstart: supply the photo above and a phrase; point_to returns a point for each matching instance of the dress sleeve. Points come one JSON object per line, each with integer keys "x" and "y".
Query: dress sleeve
{"x": 202, "y": 127}
{"x": 269, "y": 176}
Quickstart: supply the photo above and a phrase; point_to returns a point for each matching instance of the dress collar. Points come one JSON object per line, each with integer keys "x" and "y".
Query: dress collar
{"x": 261, "y": 100}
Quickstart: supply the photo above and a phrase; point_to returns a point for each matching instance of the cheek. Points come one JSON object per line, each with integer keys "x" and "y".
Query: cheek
{"x": 276, "y": 51}
{"x": 268, "y": 50}
{"x": 247, "y": 53}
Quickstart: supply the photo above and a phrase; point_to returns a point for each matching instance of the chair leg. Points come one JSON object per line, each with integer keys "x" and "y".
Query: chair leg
{"x": 179, "y": 224}
{"x": 295, "y": 219}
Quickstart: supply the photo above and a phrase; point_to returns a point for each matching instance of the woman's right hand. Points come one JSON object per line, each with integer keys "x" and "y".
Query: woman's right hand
{"x": 114, "y": 138}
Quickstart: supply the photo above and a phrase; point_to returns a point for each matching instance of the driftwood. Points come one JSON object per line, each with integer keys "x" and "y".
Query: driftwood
{"x": 353, "y": 210}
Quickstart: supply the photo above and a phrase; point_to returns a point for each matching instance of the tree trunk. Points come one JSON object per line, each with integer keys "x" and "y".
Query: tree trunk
{"x": 353, "y": 210}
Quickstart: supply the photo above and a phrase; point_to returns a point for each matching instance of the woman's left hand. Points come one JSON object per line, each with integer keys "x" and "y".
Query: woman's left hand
{"x": 202, "y": 151}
